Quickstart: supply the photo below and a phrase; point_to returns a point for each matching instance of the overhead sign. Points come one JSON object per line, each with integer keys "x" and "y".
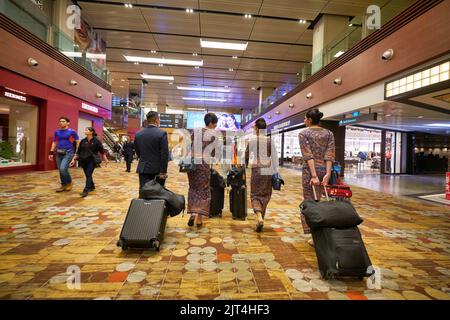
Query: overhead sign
{"x": 359, "y": 119}
{"x": 85, "y": 106}
{"x": 168, "y": 120}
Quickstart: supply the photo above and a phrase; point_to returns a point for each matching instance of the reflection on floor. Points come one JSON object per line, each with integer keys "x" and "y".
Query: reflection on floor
{"x": 399, "y": 185}
{"x": 42, "y": 234}
{"x": 439, "y": 198}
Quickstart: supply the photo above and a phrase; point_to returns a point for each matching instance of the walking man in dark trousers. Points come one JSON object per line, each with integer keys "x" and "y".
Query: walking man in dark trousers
{"x": 128, "y": 153}
{"x": 152, "y": 149}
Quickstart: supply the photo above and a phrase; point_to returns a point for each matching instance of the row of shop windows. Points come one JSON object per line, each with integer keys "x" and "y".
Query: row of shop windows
{"x": 19, "y": 133}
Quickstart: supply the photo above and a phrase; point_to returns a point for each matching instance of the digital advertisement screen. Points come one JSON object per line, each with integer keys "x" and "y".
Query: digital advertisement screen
{"x": 195, "y": 120}
{"x": 227, "y": 122}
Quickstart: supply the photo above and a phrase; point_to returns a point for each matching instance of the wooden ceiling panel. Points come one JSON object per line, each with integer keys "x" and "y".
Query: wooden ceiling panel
{"x": 299, "y": 53}
{"x": 113, "y": 16}
{"x": 170, "y": 21}
{"x": 224, "y": 26}
{"x": 266, "y": 50}
{"x": 278, "y": 31}
{"x": 177, "y": 43}
{"x": 236, "y": 6}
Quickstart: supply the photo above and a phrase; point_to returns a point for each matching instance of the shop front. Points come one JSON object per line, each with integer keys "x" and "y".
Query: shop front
{"x": 29, "y": 114}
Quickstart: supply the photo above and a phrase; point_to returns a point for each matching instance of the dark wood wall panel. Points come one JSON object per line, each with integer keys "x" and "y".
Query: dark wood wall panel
{"x": 14, "y": 54}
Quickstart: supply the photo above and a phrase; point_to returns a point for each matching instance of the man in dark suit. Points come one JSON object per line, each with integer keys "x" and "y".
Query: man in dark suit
{"x": 128, "y": 152}
{"x": 153, "y": 151}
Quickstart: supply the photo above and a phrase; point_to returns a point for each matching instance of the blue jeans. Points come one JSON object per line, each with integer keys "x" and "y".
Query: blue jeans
{"x": 63, "y": 161}
{"x": 88, "y": 168}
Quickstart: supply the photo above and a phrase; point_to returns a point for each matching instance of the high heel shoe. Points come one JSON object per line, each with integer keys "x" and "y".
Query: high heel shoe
{"x": 259, "y": 226}
{"x": 191, "y": 221}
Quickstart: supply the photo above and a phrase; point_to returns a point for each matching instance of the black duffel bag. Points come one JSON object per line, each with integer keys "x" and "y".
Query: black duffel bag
{"x": 217, "y": 181}
{"x": 329, "y": 214}
{"x": 153, "y": 190}
{"x": 236, "y": 177}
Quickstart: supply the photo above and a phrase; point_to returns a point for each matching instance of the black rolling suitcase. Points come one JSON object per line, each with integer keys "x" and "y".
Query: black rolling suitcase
{"x": 217, "y": 184}
{"x": 238, "y": 194}
{"x": 238, "y": 202}
{"x": 338, "y": 244}
{"x": 341, "y": 253}
{"x": 144, "y": 224}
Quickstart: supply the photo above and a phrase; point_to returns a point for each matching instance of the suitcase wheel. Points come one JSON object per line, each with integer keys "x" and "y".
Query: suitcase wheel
{"x": 122, "y": 245}
{"x": 156, "y": 245}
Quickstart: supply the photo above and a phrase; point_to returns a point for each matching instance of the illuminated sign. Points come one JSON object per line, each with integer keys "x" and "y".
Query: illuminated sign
{"x": 363, "y": 118}
{"x": 15, "y": 96}
{"x": 89, "y": 108}
{"x": 282, "y": 125}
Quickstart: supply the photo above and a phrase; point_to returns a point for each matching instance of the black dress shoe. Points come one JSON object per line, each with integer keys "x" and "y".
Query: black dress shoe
{"x": 84, "y": 194}
{"x": 191, "y": 221}
{"x": 259, "y": 226}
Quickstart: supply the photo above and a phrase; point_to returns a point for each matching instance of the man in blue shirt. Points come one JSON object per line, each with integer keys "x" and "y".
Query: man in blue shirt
{"x": 63, "y": 147}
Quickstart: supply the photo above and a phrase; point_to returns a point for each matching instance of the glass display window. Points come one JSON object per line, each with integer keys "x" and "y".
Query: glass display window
{"x": 18, "y": 133}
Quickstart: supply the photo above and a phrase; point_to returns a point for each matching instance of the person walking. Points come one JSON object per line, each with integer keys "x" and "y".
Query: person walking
{"x": 199, "y": 194}
{"x": 117, "y": 150}
{"x": 128, "y": 153}
{"x": 87, "y": 156}
{"x": 318, "y": 150}
{"x": 262, "y": 169}
{"x": 152, "y": 148}
{"x": 64, "y": 149}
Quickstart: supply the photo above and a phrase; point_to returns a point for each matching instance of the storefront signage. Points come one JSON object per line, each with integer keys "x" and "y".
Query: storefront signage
{"x": 359, "y": 119}
{"x": 89, "y": 108}
{"x": 282, "y": 125}
{"x": 15, "y": 96}
{"x": 168, "y": 120}
{"x": 290, "y": 122}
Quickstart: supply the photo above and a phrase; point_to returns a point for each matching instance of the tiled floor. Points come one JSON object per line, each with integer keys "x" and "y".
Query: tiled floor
{"x": 42, "y": 234}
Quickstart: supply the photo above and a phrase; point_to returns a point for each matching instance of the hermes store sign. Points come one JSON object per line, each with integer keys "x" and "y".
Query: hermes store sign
{"x": 89, "y": 108}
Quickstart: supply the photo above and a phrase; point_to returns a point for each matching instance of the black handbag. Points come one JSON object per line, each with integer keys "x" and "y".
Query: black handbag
{"x": 277, "y": 181}
{"x": 153, "y": 190}
{"x": 187, "y": 165}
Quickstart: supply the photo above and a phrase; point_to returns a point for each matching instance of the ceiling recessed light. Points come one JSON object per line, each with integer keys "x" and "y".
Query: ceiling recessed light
{"x": 223, "y": 45}
{"x": 160, "y": 65}
{"x": 420, "y": 117}
{"x": 338, "y": 54}
{"x": 197, "y": 67}
{"x": 302, "y": 21}
{"x": 122, "y": 80}
{"x": 156, "y": 77}
{"x": 171, "y": 83}
{"x": 253, "y": 88}
{"x": 164, "y": 61}
{"x": 350, "y": 25}
{"x": 388, "y": 115}
{"x": 128, "y": 5}
{"x": 153, "y": 51}
{"x": 203, "y": 89}
{"x": 234, "y": 57}
{"x": 136, "y": 63}
{"x": 298, "y": 73}
{"x": 195, "y": 54}
{"x": 204, "y": 99}
{"x": 248, "y": 16}
{"x": 231, "y": 69}
{"x": 189, "y": 10}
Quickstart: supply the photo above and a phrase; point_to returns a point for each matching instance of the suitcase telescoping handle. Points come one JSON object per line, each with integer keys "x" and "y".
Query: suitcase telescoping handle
{"x": 315, "y": 193}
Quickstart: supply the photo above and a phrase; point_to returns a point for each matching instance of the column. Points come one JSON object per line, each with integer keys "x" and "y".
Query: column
{"x": 326, "y": 30}
{"x": 339, "y": 141}
{"x": 264, "y": 92}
